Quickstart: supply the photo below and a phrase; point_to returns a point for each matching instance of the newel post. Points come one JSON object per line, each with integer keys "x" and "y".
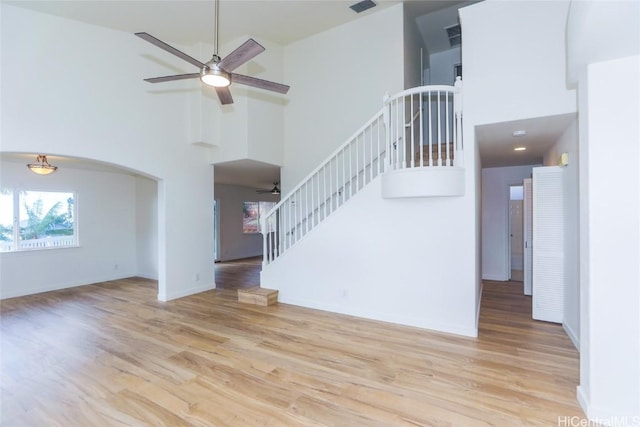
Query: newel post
{"x": 385, "y": 117}
{"x": 265, "y": 235}
{"x": 457, "y": 105}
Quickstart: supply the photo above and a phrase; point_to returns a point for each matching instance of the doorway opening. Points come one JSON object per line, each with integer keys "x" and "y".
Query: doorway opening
{"x": 516, "y": 232}
{"x": 216, "y": 230}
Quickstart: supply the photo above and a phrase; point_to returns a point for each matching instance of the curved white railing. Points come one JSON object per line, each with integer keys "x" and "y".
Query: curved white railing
{"x": 424, "y": 127}
{"x": 419, "y": 127}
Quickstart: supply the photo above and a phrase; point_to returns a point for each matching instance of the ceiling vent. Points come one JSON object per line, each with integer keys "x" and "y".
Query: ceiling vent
{"x": 454, "y": 34}
{"x": 362, "y": 6}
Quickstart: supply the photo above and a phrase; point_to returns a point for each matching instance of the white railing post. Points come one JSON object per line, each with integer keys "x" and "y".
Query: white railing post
{"x": 457, "y": 105}
{"x": 265, "y": 233}
{"x": 386, "y": 116}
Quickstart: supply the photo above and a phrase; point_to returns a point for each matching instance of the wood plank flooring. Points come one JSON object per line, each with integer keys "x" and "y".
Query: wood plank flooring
{"x": 238, "y": 274}
{"x": 110, "y": 354}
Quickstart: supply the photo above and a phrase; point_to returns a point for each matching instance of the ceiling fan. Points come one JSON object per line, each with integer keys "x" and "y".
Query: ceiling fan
{"x": 274, "y": 190}
{"x": 218, "y": 71}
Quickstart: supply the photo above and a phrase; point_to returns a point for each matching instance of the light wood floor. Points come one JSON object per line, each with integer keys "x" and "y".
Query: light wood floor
{"x": 238, "y": 274}
{"x": 111, "y": 355}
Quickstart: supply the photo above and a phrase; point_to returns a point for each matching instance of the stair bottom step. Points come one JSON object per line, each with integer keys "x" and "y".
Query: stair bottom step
{"x": 258, "y": 296}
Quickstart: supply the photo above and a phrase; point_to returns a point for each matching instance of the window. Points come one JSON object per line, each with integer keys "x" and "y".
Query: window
{"x": 251, "y": 214}
{"x": 37, "y": 220}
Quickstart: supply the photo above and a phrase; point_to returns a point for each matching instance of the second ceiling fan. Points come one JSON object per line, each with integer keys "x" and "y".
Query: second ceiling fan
{"x": 218, "y": 71}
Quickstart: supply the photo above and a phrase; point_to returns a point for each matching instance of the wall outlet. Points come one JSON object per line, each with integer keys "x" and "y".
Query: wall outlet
{"x": 197, "y": 277}
{"x": 115, "y": 266}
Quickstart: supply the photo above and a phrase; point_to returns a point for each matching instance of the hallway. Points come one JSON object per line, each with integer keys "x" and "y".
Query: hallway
{"x": 238, "y": 274}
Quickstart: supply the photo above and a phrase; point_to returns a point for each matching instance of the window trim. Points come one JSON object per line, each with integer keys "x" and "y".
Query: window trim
{"x": 16, "y": 243}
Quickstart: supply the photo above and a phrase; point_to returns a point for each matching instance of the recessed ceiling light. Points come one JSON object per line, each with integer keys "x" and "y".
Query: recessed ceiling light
{"x": 519, "y": 148}
{"x": 519, "y": 132}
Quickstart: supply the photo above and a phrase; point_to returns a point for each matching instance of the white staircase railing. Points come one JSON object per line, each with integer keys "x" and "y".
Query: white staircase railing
{"x": 419, "y": 127}
{"x": 352, "y": 166}
{"x": 424, "y": 127}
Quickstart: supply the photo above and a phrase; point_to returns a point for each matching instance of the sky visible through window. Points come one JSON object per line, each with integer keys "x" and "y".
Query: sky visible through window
{"x": 30, "y": 197}
{"x": 45, "y": 219}
{"x": 6, "y": 208}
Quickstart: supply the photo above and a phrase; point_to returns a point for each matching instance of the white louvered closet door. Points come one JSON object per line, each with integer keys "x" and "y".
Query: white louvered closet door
{"x": 527, "y": 214}
{"x": 548, "y": 244}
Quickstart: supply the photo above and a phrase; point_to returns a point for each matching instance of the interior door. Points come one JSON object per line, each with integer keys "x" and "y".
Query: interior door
{"x": 548, "y": 244}
{"x": 527, "y": 212}
{"x": 516, "y": 235}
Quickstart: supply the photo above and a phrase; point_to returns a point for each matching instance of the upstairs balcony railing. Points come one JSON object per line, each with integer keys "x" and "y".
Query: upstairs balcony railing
{"x": 424, "y": 127}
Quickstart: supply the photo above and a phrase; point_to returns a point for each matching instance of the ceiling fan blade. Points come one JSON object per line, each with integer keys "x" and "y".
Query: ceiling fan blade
{"x": 242, "y": 54}
{"x": 170, "y": 49}
{"x": 259, "y": 83}
{"x": 170, "y": 78}
{"x": 225, "y": 95}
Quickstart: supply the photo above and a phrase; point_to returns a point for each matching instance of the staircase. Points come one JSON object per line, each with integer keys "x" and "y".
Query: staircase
{"x": 426, "y": 121}
{"x": 350, "y": 236}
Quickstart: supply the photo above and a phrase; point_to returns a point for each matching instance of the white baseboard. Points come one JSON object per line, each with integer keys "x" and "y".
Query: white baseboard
{"x": 494, "y": 277}
{"x": 479, "y": 306}
{"x": 383, "y": 317}
{"x": 148, "y": 276}
{"x": 582, "y": 399}
{"x": 13, "y": 293}
{"x": 604, "y": 416}
{"x": 186, "y": 292}
{"x": 572, "y": 336}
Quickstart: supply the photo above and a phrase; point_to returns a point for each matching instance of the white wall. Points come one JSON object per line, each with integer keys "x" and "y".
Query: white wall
{"x": 610, "y": 239}
{"x": 568, "y": 143}
{"x": 106, "y": 223}
{"x": 514, "y": 68}
{"x": 495, "y": 219}
{"x": 600, "y": 30}
{"x": 94, "y": 104}
{"x": 265, "y": 118}
{"x": 253, "y": 126}
{"x": 338, "y": 79}
{"x": 146, "y": 227}
{"x": 442, "y": 66}
{"x": 413, "y": 49}
{"x": 234, "y": 244}
{"x": 405, "y": 261}
{"x": 514, "y": 61}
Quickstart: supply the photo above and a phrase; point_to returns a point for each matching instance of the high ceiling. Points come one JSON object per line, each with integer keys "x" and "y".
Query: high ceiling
{"x": 187, "y": 22}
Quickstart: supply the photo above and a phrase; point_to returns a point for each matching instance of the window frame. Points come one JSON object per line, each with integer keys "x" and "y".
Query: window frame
{"x": 16, "y": 244}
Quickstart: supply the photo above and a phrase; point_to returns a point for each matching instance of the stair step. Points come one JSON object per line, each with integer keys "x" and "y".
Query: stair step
{"x": 258, "y": 296}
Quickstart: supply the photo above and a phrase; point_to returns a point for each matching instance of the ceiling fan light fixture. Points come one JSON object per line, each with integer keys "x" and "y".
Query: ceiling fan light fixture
{"x": 214, "y": 76}
{"x": 42, "y": 166}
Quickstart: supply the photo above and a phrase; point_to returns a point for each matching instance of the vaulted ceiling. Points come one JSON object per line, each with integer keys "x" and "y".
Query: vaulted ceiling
{"x": 186, "y": 22}
{"x": 189, "y": 22}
